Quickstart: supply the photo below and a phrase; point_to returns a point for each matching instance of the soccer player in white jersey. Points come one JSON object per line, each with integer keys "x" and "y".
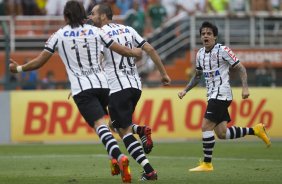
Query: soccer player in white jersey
{"x": 79, "y": 48}
{"x": 213, "y": 61}
{"x": 124, "y": 81}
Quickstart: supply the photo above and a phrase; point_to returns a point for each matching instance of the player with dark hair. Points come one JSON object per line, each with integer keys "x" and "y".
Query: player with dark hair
{"x": 79, "y": 46}
{"x": 213, "y": 61}
{"x": 124, "y": 81}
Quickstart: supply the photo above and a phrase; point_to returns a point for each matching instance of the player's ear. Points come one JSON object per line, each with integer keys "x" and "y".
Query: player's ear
{"x": 103, "y": 16}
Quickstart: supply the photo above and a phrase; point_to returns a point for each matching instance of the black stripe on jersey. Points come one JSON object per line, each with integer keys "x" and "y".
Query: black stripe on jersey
{"x": 235, "y": 63}
{"x": 218, "y": 90}
{"x": 63, "y": 45}
{"x": 213, "y": 82}
{"x": 96, "y": 44}
{"x": 75, "y": 47}
{"x": 218, "y": 56}
{"x": 204, "y": 61}
{"x": 132, "y": 38}
{"x": 109, "y": 25}
{"x": 129, "y": 61}
{"x": 88, "y": 51}
{"x": 98, "y": 80}
{"x": 113, "y": 59}
{"x": 204, "y": 67}
{"x": 106, "y": 80}
{"x": 89, "y": 81}
{"x": 55, "y": 44}
{"x": 125, "y": 70}
{"x": 79, "y": 84}
{"x": 218, "y": 68}
{"x": 129, "y": 43}
{"x": 122, "y": 62}
{"x": 50, "y": 50}
{"x": 210, "y": 61}
{"x": 107, "y": 44}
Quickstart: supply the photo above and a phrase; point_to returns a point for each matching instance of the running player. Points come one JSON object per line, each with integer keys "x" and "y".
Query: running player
{"x": 124, "y": 81}
{"x": 79, "y": 48}
{"x": 213, "y": 61}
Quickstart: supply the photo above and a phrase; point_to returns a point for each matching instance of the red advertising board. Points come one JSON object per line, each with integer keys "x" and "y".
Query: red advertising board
{"x": 49, "y": 116}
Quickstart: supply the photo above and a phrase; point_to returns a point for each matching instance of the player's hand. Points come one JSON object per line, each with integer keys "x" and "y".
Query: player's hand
{"x": 13, "y": 66}
{"x": 181, "y": 94}
{"x": 166, "y": 80}
{"x": 137, "y": 52}
{"x": 245, "y": 93}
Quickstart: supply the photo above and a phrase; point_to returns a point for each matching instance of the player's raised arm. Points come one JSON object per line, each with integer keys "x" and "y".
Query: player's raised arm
{"x": 125, "y": 51}
{"x": 157, "y": 60}
{"x": 33, "y": 64}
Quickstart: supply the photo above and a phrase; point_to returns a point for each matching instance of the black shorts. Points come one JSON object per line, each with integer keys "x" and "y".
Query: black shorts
{"x": 122, "y": 105}
{"x": 217, "y": 111}
{"x": 92, "y": 104}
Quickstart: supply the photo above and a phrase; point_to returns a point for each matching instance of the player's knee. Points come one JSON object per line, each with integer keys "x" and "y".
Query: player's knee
{"x": 221, "y": 135}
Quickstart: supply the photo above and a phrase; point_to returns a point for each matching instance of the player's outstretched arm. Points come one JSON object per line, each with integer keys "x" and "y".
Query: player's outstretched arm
{"x": 158, "y": 62}
{"x": 125, "y": 51}
{"x": 192, "y": 83}
{"x": 33, "y": 64}
{"x": 244, "y": 79}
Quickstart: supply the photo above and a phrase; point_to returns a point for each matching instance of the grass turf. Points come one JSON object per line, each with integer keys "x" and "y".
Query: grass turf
{"x": 235, "y": 162}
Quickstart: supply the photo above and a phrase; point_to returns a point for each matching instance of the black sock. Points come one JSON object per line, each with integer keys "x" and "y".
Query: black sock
{"x": 135, "y": 150}
{"x": 109, "y": 141}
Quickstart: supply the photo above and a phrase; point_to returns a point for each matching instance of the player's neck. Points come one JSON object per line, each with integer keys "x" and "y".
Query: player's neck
{"x": 208, "y": 49}
{"x": 106, "y": 22}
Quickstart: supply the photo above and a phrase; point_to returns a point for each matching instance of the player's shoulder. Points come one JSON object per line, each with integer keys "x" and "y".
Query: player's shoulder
{"x": 114, "y": 29}
{"x": 201, "y": 50}
{"x": 60, "y": 30}
{"x": 88, "y": 26}
{"x": 115, "y": 26}
{"x": 224, "y": 48}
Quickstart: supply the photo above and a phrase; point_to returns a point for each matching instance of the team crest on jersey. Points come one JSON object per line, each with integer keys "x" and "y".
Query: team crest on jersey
{"x": 118, "y": 32}
{"x": 82, "y": 32}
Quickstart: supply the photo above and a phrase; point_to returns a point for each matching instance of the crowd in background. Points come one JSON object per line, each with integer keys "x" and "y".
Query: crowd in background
{"x": 137, "y": 13}
{"x": 152, "y": 13}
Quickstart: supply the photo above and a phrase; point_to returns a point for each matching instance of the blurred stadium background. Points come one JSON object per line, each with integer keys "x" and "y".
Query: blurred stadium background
{"x": 34, "y": 107}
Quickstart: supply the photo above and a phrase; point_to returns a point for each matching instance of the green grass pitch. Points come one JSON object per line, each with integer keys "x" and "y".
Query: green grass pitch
{"x": 235, "y": 162}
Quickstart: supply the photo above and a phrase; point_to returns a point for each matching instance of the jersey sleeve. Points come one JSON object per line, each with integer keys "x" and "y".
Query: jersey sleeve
{"x": 105, "y": 38}
{"x": 51, "y": 43}
{"x": 198, "y": 65}
{"x": 229, "y": 56}
{"x": 138, "y": 41}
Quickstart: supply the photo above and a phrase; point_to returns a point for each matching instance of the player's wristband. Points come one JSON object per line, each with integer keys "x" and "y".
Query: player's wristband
{"x": 19, "y": 69}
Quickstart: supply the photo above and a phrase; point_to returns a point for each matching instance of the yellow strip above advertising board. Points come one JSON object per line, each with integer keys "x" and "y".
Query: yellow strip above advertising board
{"x": 46, "y": 116}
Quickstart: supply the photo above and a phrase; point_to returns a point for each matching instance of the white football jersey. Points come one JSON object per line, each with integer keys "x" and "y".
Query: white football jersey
{"x": 79, "y": 48}
{"x": 121, "y": 71}
{"x": 215, "y": 66}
